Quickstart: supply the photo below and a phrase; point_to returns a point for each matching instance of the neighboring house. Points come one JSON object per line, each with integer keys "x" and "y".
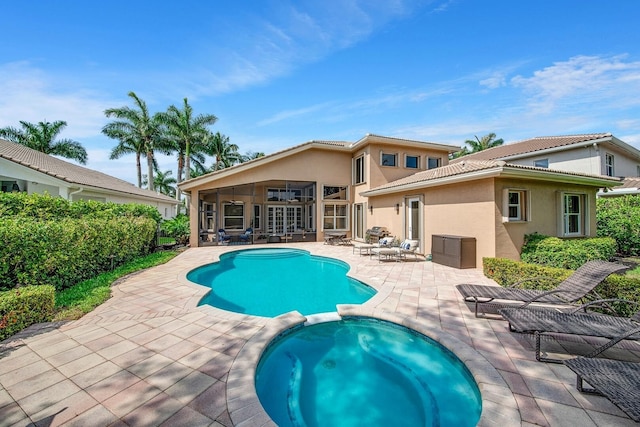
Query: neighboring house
{"x": 595, "y": 154}
{"x": 321, "y": 187}
{"x": 28, "y": 170}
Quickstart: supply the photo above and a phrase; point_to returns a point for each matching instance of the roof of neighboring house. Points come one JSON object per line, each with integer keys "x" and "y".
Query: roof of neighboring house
{"x": 71, "y": 173}
{"x": 318, "y": 144}
{"x": 543, "y": 143}
{"x": 474, "y": 169}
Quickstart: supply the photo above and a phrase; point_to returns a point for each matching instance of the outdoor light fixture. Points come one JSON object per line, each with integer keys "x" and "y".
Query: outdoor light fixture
{"x": 371, "y": 209}
{"x": 397, "y": 207}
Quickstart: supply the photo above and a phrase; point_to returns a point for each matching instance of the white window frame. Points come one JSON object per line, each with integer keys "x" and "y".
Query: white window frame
{"x": 225, "y": 217}
{"x": 582, "y": 215}
{"x": 406, "y": 158}
{"x": 523, "y": 205}
{"x": 359, "y": 175}
{"x": 395, "y": 159}
{"x": 257, "y": 217}
{"x": 438, "y": 161}
{"x": 334, "y": 216}
{"x": 346, "y": 192}
{"x": 541, "y": 163}
{"x": 609, "y": 164}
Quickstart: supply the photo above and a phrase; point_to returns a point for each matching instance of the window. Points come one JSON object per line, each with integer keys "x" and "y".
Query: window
{"x": 387, "y": 159}
{"x": 358, "y": 170}
{"x": 283, "y": 195}
{"x": 433, "y": 162}
{"x": 573, "y": 214}
{"x": 515, "y": 207}
{"x": 233, "y": 216}
{"x": 412, "y": 162}
{"x": 335, "y": 216}
{"x": 608, "y": 165}
{"x": 334, "y": 192}
{"x": 541, "y": 163}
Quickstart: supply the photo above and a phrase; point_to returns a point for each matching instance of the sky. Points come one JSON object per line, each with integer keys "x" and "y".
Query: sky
{"x": 278, "y": 73}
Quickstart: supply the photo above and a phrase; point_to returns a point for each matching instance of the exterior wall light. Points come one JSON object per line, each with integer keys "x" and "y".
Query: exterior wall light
{"x": 371, "y": 209}
{"x": 397, "y": 208}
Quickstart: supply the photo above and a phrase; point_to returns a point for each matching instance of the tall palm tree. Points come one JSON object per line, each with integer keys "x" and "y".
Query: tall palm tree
{"x": 251, "y": 155}
{"x": 163, "y": 182}
{"x": 224, "y": 153}
{"x": 487, "y": 141}
{"x": 188, "y": 133}
{"x": 42, "y": 137}
{"x": 138, "y": 132}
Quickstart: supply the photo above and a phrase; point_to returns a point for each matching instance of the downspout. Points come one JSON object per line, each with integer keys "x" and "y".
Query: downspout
{"x": 73, "y": 193}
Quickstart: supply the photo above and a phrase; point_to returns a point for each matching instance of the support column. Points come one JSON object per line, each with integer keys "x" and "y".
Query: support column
{"x": 194, "y": 218}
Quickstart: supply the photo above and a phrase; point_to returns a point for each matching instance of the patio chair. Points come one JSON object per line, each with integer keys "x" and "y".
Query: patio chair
{"x": 569, "y": 291}
{"x": 408, "y": 247}
{"x": 246, "y": 236}
{"x": 616, "y": 380}
{"x": 223, "y": 237}
{"x": 576, "y": 322}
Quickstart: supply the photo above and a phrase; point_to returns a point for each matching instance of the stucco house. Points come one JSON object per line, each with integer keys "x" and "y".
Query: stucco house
{"x": 320, "y": 187}
{"x": 28, "y": 170}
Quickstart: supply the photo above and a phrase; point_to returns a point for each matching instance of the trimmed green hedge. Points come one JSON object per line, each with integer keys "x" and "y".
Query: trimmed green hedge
{"x": 507, "y": 272}
{"x": 20, "y": 308}
{"x": 566, "y": 253}
{"x": 64, "y": 252}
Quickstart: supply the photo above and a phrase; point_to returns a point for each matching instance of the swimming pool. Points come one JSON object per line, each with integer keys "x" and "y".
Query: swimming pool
{"x": 364, "y": 371}
{"x": 271, "y": 281}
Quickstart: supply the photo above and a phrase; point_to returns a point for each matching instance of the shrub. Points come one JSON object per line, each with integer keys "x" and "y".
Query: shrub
{"x": 619, "y": 218}
{"x": 178, "y": 228}
{"x": 20, "y": 308}
{"x": 561, "y": 253}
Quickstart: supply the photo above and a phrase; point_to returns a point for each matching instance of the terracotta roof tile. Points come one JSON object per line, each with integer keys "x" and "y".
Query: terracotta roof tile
{"x": 70, "y": 172}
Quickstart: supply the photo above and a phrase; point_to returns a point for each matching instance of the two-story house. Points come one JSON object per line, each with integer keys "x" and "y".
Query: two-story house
{"x": 304, "y": 192}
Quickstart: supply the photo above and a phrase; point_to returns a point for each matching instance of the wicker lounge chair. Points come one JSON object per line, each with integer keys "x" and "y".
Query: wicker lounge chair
{"x": 572, "y": 289}
{"x": 618, "y": 381}
{"x": 544, "y": 322}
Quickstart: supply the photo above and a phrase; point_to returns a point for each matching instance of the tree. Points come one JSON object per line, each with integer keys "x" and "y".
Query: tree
{"x": 162, "y": 182}
{"x": 251, "y": 155}
{"x": 42, "y": 137}
{"x": 188, "y": 133}
{"x": 138, "y": 132}
{"x": 486, "y": 142}
{"x": 224, "y": 153}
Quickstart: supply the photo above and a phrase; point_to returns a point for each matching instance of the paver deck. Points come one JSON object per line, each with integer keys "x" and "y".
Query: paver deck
{"x": 151, "y": 356}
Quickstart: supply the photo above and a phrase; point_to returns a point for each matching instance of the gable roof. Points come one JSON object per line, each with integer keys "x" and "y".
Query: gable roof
{"x": 318, "y": 144}
{"x": 71, "y": 173}
{"x": 467, "y": 170}
{"x": 541, "y": 144}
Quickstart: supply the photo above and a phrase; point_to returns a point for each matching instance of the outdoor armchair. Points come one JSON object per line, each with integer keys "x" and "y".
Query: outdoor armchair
{"x": 569, "y": 291}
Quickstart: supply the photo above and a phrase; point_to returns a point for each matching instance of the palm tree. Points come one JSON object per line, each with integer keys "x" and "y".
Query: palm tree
{"x": 163, "y": 182}
{"x": 188, "y": 133}
{"x": 42, "y": 137}
{"x": 251, "y": 155}
{"x": 486, "y": 142}
{"x": 224, "y": 153}
{"x": 138, "y": 132}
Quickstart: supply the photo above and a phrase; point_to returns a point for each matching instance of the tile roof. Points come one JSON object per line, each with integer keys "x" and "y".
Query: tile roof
{"x": 531, "y": 145}
{"x": 631, "y": 183}
{"x": 469, "y": 166}
{"x": 70, "y": 172}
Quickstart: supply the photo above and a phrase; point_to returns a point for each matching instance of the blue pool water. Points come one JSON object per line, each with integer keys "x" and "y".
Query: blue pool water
{"x": 272, "y": 281}
{"x": 364, "y": 372}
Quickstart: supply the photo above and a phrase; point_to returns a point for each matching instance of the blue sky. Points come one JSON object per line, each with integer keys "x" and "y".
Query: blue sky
{"x": 278, "y": 73}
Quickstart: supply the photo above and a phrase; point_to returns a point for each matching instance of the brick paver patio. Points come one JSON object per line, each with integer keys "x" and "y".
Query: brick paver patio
{"x": 150, "y": 356}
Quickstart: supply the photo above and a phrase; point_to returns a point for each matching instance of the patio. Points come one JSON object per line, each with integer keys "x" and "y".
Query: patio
{"x": 150, "y": 356}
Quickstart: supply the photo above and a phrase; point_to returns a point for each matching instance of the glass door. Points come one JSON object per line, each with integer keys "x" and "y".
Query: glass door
{"x": 414, "y": 225}
{"x": 358, "y": 221}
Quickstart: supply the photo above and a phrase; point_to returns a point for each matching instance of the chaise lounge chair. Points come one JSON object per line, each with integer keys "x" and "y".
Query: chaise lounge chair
{"x": 618, "y": 381}
{"x": 569, "y": 291}
{"x": 578, "y": 322}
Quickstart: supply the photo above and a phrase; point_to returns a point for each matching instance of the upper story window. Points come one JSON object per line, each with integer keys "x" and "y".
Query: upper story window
{"x": 283, "y": 195}
{"x": 433, "y": 162}
{"x": 515, "y": 205}
{"x": 389, "y": 159}
{"x": 541, "y": 163}
{"x": 412, "y": 162}
{"x": 358, "y": 170}
{"x": 573, "y": 214}
{"x": 334, "y": 192}
{"x": 608, "y": 165}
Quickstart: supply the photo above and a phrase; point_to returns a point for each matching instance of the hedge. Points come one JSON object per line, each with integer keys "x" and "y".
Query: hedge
{"x": 619, "y": 217}
{"x": 507, "y": 272}
{"x": 566, "y": 253}
{"x": 20, "y": 308}
{"x": 64, "y": 252}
